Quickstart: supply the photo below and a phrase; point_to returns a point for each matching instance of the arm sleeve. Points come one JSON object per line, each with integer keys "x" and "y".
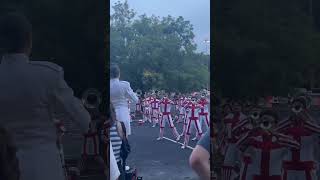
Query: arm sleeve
{"x": 132, "y": 95}
{"x": 205, "y": 141}
{"x": 67, "y": 105}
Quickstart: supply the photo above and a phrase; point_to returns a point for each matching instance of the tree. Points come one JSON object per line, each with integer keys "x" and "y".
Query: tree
{"x": 262, "y": 47}
{"x": 156, "y": 53}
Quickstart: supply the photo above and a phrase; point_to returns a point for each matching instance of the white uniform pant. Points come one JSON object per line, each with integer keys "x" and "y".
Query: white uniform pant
{"x": 195, "y": 123}
{"x": 204, "y": 119}
{"x": 164, "y": 119}
{"x": 123, "y": 115}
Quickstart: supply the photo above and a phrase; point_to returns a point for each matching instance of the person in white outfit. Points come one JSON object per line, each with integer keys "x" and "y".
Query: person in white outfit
{"x": 32, "y": 93}
{"x": 120, "y": 92}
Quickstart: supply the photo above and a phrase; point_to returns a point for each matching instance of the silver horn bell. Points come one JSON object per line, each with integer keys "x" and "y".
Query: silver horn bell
{"x": 91, "y": 98}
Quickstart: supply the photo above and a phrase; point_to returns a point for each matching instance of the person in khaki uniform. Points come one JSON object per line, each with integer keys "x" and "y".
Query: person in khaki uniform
{"x": 31, "y": 94}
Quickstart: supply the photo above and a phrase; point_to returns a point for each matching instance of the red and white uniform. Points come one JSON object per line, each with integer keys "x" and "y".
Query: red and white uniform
{"x": 185, "y": 110}
{"x": 261, "y": 154}
{"x": 204, "y": 112}
{"x": 301, "y": 163}
{"x": 138, "y": 105}
{"x": 165, "y": 109}
{"x": 181, "y": 115}
{"x": 91, "y": 141}
{"x": 192, "y": 118}
{"x": 154, "y": 110}
{"x": 230, "y": 122}
{"x": 227, "y": 145}
{"x": 146, "y": 109}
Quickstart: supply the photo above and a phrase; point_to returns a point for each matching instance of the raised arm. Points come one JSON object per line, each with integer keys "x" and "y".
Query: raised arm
{"x": 129, "y": 92}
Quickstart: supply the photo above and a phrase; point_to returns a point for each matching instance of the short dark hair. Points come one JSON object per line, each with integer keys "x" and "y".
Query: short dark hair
{"x": 114, "y": 71}
{"x": 15, "y": 32}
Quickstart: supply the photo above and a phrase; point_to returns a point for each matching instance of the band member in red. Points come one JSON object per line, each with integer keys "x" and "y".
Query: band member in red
{"x": 165, "y": 109}
{"x": 204, "y": 111}
{"x": 147, "y": 108}
{"x": 91, "y": 141}
{"x": 301, "y": 163}
{"x": 192, "y": 118}
{"x": 181, "y": 115}
{"x": 154, "y": 110}
{"x": 138, "y": 105}
{"x": 227, "y": 144}
{"x": 185, "y": 111}
{"x": 261, "y": 151}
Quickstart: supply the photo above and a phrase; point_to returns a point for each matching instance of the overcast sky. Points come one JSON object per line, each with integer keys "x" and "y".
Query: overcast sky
{"x": 195, "y": 11}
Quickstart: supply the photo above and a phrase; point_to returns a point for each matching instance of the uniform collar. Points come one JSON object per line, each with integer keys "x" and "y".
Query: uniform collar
{"x": 15, "y": 57}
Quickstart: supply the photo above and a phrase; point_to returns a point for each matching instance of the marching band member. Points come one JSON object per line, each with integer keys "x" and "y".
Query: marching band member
{"x": 91, "y": 145}
{"x": 91, "y": 141}
{"x": 154, "y": 110}
{"x": 165, "y": 109}
{"x": 192, "y": 118}
{"x": 145, "y": 109}
{"x": 181, "y": 116}
{"x": 120, "y": 91}
{"x": 261, "y": 151}
{"x": 148, "y": 101}
{"x": 139, "y": 103}
{"x": 185, "y": 110}
{"x": 301, "y": 164}
{"x": 204, "y": 111}
{"x": 228, "y": 142}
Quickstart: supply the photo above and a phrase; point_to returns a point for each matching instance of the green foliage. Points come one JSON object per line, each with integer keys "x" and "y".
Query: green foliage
{"x": 156, "y": 53}
{"x": 264, "y": 47}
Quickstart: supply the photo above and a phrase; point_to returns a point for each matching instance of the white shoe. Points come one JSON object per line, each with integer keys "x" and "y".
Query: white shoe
{"x": 153, "y": 126}
{"x": 183, "y": 147}
{"x": 159, "y": 138}
{"x": 193, "y": 139}
{"x": 178, "y": 138}
{"x": 127, "y": 168}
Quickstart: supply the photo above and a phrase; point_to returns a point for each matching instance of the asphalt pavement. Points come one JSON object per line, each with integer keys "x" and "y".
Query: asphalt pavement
{"x": 159, "y": 160}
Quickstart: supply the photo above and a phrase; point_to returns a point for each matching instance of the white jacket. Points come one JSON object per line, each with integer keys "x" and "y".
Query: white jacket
{"x": 120, "y": 92}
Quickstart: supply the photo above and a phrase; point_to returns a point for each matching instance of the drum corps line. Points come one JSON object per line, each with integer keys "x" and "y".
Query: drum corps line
{"x": 256, "y": 144}
{"x": 159, "y": 107}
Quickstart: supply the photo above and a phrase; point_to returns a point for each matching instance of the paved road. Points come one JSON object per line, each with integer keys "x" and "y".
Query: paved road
{"x": 158, "y": 160}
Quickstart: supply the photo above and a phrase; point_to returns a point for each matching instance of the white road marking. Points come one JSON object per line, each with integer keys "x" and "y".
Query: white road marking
{"x": 177, "y": 142}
